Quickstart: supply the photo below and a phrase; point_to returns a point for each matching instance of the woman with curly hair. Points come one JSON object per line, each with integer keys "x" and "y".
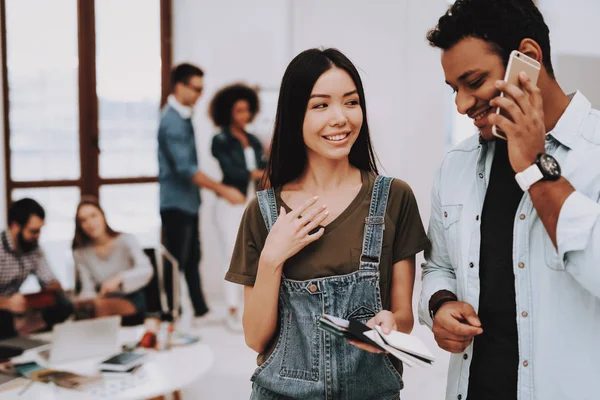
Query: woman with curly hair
{"x": 241, "y": 157}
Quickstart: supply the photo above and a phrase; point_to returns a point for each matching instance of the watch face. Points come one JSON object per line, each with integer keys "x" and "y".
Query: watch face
{"x": 549, "y": 166}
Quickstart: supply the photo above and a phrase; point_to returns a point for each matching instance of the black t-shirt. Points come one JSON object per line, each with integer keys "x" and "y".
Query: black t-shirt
{"x": 493, "y": 373}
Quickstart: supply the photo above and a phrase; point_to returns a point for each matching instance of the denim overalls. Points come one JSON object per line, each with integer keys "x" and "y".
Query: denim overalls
{"x": 308, "y": 363}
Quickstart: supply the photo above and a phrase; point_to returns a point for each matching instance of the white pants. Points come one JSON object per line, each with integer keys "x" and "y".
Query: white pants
{"x": 228, "y": 219}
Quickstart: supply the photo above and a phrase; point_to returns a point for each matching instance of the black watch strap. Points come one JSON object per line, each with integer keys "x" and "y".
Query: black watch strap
{"x": 438, "y": 299}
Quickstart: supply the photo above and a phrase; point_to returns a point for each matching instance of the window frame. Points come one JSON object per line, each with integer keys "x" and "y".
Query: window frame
{"x": 89, "y": 181}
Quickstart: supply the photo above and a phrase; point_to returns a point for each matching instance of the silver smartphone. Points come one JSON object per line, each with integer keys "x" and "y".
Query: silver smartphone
{"x": 517, "y": 62}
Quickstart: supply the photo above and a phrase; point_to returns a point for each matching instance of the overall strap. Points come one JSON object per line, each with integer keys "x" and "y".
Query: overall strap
{"x": 375, "y": 224}
{"x": 268, "y": 209}
{"x": 268, "y": 206}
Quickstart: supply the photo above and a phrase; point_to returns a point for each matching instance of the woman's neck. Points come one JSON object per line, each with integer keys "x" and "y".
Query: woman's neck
{"x": 236, "y": 131}
{"x": 103, "y": 240}
{"x": 323, "y": 176}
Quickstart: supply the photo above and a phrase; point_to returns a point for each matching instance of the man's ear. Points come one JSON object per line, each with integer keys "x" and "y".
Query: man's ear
{"x": 531, "y": 49}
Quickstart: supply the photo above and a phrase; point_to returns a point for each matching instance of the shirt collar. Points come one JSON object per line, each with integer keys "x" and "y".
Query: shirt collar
{"x": 7, "y": 240}
{"x": 184, "y": 111}
{"x": 570, "y": 123}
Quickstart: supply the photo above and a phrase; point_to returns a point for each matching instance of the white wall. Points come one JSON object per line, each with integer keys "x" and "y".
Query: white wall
{"x": 220, "y": 37}
{"x": 574, "y": 34}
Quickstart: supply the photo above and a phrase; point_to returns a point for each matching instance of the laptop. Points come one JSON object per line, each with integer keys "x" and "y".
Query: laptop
{"x": 77, "y": 340}
{"x": 23, "y": 343}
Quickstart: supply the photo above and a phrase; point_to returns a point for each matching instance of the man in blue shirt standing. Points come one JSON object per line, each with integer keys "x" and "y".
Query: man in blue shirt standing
{"x": 180, "y": 181}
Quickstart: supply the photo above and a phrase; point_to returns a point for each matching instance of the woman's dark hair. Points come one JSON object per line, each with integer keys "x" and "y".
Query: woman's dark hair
{"x": 183, "y": 72}
{"x": 288, "y": 157}
{"x": 81, "y": 239}
{"x": 501, "y": 23}
{"x": 221, "y": 105}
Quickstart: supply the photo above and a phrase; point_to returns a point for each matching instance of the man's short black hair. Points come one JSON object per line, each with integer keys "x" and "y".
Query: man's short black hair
{"x": 502, "y": 23}
{"x": 183, "y": 72}
{"x": 21, "y": 210}
{"x": 221, "y": 105}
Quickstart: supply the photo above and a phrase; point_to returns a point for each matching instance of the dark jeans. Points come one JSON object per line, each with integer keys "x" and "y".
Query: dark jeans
{"x": 181, "y": 238}
{"x": 51, "y": 316}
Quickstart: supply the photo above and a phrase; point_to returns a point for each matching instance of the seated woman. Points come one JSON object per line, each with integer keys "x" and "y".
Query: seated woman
{"x": 111, "y": 266}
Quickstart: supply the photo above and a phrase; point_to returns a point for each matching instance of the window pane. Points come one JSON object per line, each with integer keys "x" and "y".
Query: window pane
{"x": 42, "y": 77}
{"x": 133, "y": 209}
{"x": 128, "y": 71}
{"x": 60, "y": 205}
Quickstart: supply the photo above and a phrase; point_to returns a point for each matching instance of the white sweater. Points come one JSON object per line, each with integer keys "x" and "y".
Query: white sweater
{"x": 126, "y": 259}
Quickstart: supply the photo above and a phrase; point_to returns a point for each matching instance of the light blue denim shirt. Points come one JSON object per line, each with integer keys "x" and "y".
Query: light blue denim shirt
{"x": 557, "y": 293}
{"x": 177, "y": 159}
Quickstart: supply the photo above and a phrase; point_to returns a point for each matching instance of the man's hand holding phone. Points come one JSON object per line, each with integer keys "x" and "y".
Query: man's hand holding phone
{"x": 455, "y": 325}
{"x": 525, "y": 130}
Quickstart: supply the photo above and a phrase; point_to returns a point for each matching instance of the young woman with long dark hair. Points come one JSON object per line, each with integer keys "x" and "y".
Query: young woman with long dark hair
{"x": 329, "y": 236}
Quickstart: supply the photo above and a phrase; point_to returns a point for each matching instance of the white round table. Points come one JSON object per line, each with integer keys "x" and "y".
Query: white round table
{"x": 163, "y": 372}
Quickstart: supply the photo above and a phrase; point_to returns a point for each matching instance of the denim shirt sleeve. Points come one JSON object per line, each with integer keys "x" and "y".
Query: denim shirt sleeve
{"x": 437, "y": 271}
{"x": 223, "y": 154}
{"x": 578, "y": 239}
{"x": 178, "y": 143}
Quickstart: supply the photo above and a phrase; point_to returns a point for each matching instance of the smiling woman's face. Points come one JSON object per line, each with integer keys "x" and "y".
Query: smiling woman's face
{"x": 333, "y": 116}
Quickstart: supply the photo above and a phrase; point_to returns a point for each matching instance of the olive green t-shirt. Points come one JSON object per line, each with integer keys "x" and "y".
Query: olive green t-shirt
{"x": 338, "y": 251}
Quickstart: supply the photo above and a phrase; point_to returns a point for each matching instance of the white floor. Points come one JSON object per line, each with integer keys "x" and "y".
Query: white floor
{"x": 234, "y": 363}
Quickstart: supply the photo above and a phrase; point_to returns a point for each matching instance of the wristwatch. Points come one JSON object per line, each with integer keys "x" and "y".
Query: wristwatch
{"x": 545, "y": 168}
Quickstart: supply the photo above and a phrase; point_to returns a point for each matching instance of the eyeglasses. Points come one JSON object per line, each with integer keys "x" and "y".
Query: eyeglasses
{"x": 195, "y": 89}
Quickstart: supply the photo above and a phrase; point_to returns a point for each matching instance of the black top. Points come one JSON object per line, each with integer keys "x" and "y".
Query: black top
{"x": 494, "y": 367}
{"x": 229, "y": 152}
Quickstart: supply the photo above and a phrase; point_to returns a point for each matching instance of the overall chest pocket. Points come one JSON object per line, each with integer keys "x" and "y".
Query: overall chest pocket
{"x": 451, "y": 222}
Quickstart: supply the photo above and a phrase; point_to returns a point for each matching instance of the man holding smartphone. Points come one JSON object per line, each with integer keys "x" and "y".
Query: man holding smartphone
{"x": 511, "y": 284}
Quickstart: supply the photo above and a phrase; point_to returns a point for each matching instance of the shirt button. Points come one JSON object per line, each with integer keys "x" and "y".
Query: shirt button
{"x": 477, "y": 218}
{"x": 521, "y": 265}
{"x": 525, "y": 363}
{"x": 459, "y": 397}
{"x": 471, "y": 265}
{"x": 524, "y": 314}
{"x": 548, "y": 138}
{"x": 522, "y": 217}
{"x": 445, "y": 214}
{"x": 481, "y": 175}
{"x": 465, "y": 356}
{"x": 313, "y": 288}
